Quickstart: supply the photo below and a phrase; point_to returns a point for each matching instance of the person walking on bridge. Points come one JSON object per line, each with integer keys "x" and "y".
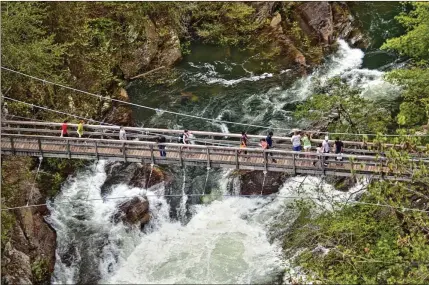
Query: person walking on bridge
{"x": 122, "y": 134}
{"x": 243, "y": 141}
{"x": 185, "y": 137}
{"x": 269, "y": 140}
{"x": 64, "y": 126}
{"x": 161, "y": 140}
{"x": 80, "y": 128}
{"x": 296, "y": 141}
{"x": 339, "y": 148}
{"x": 326, "y": 149}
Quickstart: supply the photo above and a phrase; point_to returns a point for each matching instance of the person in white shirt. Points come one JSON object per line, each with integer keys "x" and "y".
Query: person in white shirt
{"x": 326, "y": 148}
{"x": 296, "y": 141}
{"x": 122, "y": 135}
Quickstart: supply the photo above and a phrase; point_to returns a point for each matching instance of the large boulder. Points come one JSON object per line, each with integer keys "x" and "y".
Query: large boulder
{"x": 341, "y": 183}
{"x": 253, "y": 183}
{"x": 132, "y": 174}
{"x": 133, "y": 212}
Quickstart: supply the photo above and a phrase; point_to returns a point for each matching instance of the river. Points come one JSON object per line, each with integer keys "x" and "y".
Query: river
{"x": 216, "y": 239}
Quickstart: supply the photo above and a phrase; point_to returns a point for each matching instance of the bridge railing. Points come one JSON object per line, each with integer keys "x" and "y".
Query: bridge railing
{"x": 202, "y": 155}
{"x": 199, "y": 137}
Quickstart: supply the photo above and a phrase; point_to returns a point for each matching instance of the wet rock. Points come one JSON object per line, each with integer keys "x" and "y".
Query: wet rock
{"x": 317, "y": 18}
{"x": 252, "y": 182}
{"x": 132, "y": 174}
{"x": 70, "y": 255}
{"x": 133, "y": 212}
{"x": 341, "y": 183}
{"x": 347, "y": 27}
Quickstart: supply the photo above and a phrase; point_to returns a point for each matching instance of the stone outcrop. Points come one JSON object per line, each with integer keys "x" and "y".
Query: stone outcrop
{"x": 252, "y": 182}
{"x": 159, "y": 49}
{"x": 341, "y": 183}
{"x": 347, "y": 27}
{"x": 133, "y": 212}
{"x": 316, "y": 18}
{"x": 132, "y": 174}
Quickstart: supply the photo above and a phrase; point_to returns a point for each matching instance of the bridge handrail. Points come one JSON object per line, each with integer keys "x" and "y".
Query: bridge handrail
{"x": 178, "y": 132}
{"x": 6, "y": 130}
{"x": 232, "y": 149}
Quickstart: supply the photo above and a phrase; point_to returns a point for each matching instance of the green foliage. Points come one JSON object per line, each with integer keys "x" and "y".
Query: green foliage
{"x": 414, "y": 110}
{"x": 54, "y": 172}
{"x": 225, "y": 23}
{"x": 415, "y": 43}
{"x": 355, "y": 114}
{"x": 7, "y": 222}
{"x": 40, "y": 270}
{"x": 378, "y": 242}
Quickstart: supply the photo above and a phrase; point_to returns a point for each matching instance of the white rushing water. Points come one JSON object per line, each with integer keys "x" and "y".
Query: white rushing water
{"x": 225, "y": 241}
{"x": 271, "y": 107}
{"x": 89, "y": 244}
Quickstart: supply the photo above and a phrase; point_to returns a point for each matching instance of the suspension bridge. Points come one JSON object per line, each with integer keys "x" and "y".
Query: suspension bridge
{"x": 207, "y": 149}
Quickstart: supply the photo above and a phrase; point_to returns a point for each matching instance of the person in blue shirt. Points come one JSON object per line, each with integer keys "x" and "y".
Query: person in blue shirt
{"x": 269, "y": 141}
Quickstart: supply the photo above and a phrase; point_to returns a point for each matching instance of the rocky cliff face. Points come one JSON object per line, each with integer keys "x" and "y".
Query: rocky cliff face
{"x": 161, "y": 48}
{"x": 29, "y": 245}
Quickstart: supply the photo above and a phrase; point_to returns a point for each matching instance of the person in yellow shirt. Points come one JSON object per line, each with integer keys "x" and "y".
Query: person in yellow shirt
{"x": 80, "y": 129}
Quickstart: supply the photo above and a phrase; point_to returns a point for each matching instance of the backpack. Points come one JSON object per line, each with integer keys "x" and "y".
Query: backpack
{"x": 180, "y": 138}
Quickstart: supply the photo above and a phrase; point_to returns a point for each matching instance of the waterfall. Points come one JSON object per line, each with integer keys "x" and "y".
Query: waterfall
{"x": 224, "y": 240}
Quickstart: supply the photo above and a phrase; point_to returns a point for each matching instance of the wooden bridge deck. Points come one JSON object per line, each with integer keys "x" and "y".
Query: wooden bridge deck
{"x": 198, "y": 155}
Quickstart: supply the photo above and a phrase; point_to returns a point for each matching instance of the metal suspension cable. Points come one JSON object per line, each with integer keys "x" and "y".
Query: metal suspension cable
{"x": 79, "y": 117}
{"x": 186, "y": 115}
{"x": 231, "y": 195}
{"x": 59, "y": 112}
{"x": 141, "y": 106}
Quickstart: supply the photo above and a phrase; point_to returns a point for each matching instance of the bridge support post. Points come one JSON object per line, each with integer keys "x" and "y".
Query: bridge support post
{"x": 96, "y": 150}
{"x": 236, "y": 160}
{"x": 123, "y": 152}
{"x": 208, "y": 158}
{"x": 68, "y": 149}
{"x": 180, "y": 156}
{"x": 40, "y": 147}
{"x": 152, "y": 157}
{"x": 322, "y": 163}
{"x": 294, "y": 164}
{"x": 12, "y": 145}
{"x": 265, "y": 160}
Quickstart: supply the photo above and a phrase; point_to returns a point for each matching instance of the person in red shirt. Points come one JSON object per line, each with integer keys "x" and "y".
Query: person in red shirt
{"x": 64, "y": 132}
{"x": 264, "y": 145}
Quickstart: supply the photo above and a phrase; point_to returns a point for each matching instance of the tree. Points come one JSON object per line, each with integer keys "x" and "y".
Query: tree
{"x": 383, "y": 238}
{"x": 414, "y": 110}
{"x": 350, "y": 111}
